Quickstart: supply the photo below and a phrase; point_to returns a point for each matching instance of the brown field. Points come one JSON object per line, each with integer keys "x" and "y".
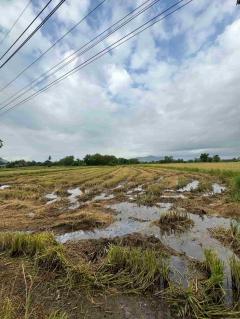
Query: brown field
{"x": 114, "y": 242}
{"x": 229, "y": 166}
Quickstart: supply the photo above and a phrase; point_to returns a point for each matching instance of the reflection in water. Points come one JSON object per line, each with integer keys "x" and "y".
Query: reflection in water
{"x": 218, "y": 189}
{"x": 132, "y": 218}
{"x": 52, "y": 198}
{"x": 103, "y": 196}
{"x": 189, "y": 187}
{"x": 4, "y": 187}
{"x": 74, "y": 193}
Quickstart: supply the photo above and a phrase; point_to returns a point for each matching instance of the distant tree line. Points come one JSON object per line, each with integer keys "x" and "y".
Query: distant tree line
{"x": 98, "y": 159}
{"x": 88, "y": 160}
{"x": 204, "y": 158}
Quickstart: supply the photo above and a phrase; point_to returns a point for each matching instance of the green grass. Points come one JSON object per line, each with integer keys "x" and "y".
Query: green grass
{"x": 194, "y": 303}
{"x": 147, "y": 199}
{"x": 183, "y": 181}
{"x": 136, "y": 269}
{"x": 155, "y": 189}
{"x": 126, "y": 268}
{"x": 235, "y": 231}
{"x": 235, "y": 273}
{"x": 222, "y": 169}
{"x": 7, "y": 310}
{"x": 20, "y": 243}
{"x": 215, "y": 269}
{"x": 43, "y": 247}
{"x": 185, "y": 302}
{"x": 235, "y": 189}
{"x": 52, "y": 258}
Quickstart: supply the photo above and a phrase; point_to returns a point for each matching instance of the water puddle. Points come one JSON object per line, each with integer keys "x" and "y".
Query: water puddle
{"x": 132, "y": 218}
{"x": 2, "y": 187}
{"x": 189, "y": 187}
{"x": 174, "y": 196}
{"x": 52, "y": 198}
{"x": 119, "y": 186}
{"x": 166, "y": 206}
{"x": 138, "y": 189}
{"x": 102, "y": 196}
{"x": 216, "y": 189}
{"x": 73, "y": 198}
{"x": 179, "y": 267}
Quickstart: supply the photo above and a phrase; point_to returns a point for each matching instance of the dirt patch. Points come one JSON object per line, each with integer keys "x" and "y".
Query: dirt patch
{"x": 26, "y": 216}
{"x": 93, "y": 250}
{"x": 83, "y": 219}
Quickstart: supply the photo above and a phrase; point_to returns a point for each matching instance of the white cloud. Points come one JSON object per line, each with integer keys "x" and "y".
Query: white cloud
{"x": 118, "y": 79}
{"x": 140, "y": 99}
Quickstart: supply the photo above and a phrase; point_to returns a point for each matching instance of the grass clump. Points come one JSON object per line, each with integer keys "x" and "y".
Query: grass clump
{"x": 174, "y": 221}
{"x": 229, "y": 236}
{"x": 235, "y": 273}
{"x": 182, "y": 181}
{"x": 7, "y": 310}
{"x": 43, "y": 247}
{"x": 84, "y": 275}
{"x": 215, "y": 269}
{"x": 136, "y": 269}
{"x": 52, "y": 258}
{"x": 147, "y": 199}
{"x": 194, "y": 303}
{"x": 235, "y": 189}
{"x": 19, "y": 243}
{"x": 155, "y": 189}
{"x": 185, "y": 302}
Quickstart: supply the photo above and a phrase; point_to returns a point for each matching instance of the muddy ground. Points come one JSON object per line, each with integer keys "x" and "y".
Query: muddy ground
{"x": 90, "y": 209}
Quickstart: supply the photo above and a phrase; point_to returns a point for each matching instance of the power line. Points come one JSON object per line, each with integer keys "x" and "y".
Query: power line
{"x": 34, "y": 31}
{"x": 15, "y": 22}
{"x": 114, "y": 45}
{"x": 25, "y": 30}
{"x": 52, "y": 46}
{"x": 95, "y": 56}
{"x": 47, "y": 74}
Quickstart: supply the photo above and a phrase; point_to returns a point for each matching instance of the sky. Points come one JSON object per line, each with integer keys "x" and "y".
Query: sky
{"x": 171, "y": 90}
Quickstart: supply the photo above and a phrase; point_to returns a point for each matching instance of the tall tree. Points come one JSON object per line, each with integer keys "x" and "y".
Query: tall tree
{"x": 216, "y": 158}
{"x": 204, "y": 157}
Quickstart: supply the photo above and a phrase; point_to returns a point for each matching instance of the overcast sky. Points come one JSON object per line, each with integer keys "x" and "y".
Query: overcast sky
{"x": 173, "y": 90}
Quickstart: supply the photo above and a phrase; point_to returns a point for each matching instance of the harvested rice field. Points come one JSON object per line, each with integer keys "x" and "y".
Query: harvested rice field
{"x": 143, "y": 241}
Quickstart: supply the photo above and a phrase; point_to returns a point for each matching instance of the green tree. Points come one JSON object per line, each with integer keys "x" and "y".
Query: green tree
{"x": 204, "y": 157}
{"x": 216, "y": 158}
{"x": 168, "y": 159}
{"x": 67, "y": 161}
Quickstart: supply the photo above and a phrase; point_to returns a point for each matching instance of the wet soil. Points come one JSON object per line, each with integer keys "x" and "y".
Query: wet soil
{"x": 134, "y": 225}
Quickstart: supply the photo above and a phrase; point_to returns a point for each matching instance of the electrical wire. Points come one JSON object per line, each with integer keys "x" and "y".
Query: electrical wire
{"x": 116, "y": 44}
{"x": 76, "y": 53}
{"x": 25, "y": 30}
{"x": 51, "y": 47}
{"x": 34, "y": 31}
{"x": 15, "y": 22}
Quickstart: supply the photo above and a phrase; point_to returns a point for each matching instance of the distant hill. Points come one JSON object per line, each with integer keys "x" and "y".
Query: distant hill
{"x": 3, "y": 161}
{"x": 150, "y": 158}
